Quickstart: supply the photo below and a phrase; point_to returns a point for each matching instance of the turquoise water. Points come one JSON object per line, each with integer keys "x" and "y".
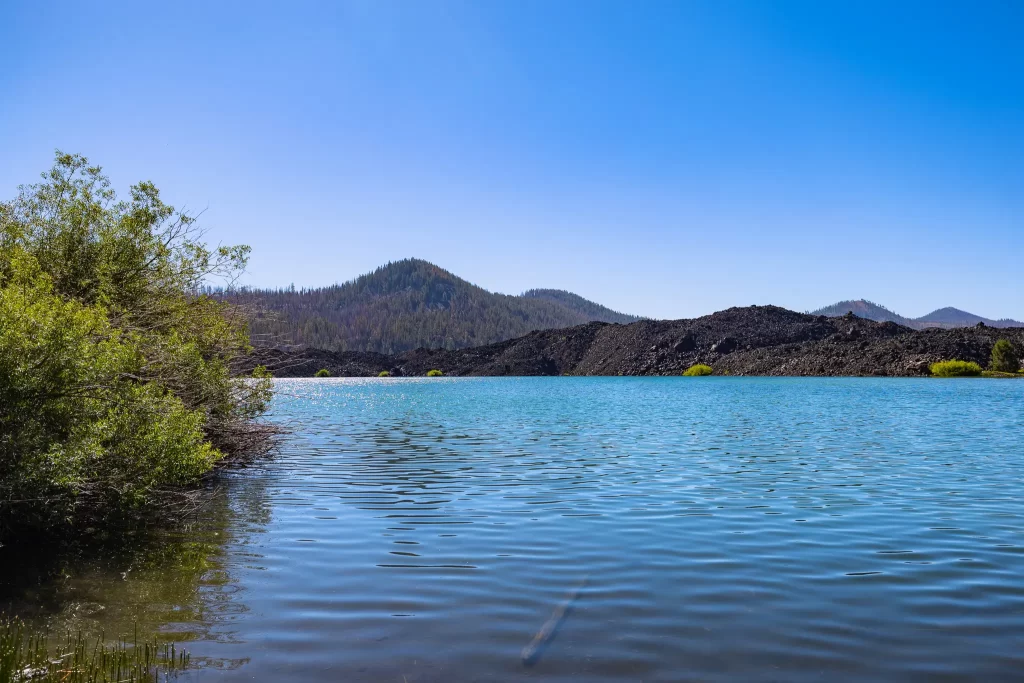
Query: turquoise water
{"x": 664, "y": 528}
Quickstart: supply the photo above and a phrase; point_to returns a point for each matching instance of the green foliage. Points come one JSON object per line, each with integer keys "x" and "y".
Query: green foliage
{"x": 115, "y": 372}
{"x": 383, "y": 373}
{"x": 955, "y": 368}
{"x": 698, "y": 370}
{"x": 1004, "y": 357}
{"x": 434, "y": 373}
{"x": 323, "y": 372}
{"x": 407, "y": 305}
{"x": 27, "y": 655}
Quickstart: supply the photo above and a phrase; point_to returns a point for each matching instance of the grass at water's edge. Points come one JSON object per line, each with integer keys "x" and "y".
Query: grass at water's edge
{"x": 27, "y": 655}
{"x": 996, "y": 373}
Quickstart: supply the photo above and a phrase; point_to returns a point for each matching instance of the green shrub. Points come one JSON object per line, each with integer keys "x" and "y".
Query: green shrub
{"x": 434, "y": 373}
{"x": 115, "y": 370}
{"x": 1004, "y": 357}
{"x": 383, "y": 373}
{"x": 955, "y": 368}
{"x": 698, "y": 370}
{"x": 323, "y": 372}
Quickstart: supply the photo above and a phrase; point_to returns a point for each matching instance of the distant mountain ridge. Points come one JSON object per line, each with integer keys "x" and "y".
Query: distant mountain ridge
{"x": 946, "y": 318}
{"x": 406, "y": 305}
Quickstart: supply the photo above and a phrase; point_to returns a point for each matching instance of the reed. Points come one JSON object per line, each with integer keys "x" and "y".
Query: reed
{"x": 28, "y": 655}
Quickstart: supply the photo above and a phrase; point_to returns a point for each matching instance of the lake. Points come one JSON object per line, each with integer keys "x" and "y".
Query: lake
{"x": 649, "y": 529}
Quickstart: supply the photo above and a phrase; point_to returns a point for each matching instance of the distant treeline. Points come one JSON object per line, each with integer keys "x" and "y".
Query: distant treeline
{"x": 406, "y": 305}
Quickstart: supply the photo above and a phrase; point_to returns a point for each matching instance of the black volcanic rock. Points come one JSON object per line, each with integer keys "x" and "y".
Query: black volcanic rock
{"x": 724, "y": 346}
{"x": 761, "y": 340}
{"x": 687, "y": 343}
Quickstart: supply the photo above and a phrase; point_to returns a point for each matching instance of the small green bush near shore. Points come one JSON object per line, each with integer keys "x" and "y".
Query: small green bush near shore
{"x": 29, "y": 656}
{"x": 1004, "y": 357}
{"x": 955, "y": 368}
{"x": 698, "y": 370}
{"x": 323, "y": 372}
{"x": 434, "y": 373}
{"x": 383, "y": 373}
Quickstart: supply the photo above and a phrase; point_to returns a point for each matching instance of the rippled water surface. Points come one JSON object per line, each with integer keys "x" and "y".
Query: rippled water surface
{"x": 653, "y": 529}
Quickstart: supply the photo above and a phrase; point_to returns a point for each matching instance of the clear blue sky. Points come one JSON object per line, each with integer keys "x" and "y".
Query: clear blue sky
{"x": 665, "y": 159}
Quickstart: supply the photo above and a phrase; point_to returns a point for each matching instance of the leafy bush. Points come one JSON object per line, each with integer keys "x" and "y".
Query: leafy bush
{"x": 1004, "y": 357}
{"x": 434, "y": 373}
{"x": 698, "y": 370}
{"x": 383, "y": 373}
{"x": 115, "y": 372}
{"x": 955, "y": 368}
{"x": 323, "y": 372}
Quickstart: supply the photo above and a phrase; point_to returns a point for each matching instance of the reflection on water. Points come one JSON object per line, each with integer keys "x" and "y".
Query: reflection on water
{"x": 172, "y": 579}
{"x": 653, "y": 529}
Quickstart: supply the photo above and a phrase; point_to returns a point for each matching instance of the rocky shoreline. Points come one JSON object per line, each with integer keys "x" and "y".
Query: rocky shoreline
{"x": 755, "y": 340}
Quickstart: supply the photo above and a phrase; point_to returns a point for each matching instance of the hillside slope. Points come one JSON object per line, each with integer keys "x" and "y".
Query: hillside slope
{"x": 758, "y": 340}
{"x": 584, "y": 307}
{"x": 406, "y": 305}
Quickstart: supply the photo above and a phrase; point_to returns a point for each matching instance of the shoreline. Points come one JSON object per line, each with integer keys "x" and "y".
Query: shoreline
{"x": 754, "y": 341}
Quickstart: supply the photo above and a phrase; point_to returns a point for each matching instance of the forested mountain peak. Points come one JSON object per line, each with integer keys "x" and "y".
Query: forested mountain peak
{"x": 437, "y": 286}
{"x": 409, "y": 304}
{"x": 862, "y": 308}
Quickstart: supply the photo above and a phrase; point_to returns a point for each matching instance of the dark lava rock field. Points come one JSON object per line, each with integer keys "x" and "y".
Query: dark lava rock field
{"x": 756, "y": 340}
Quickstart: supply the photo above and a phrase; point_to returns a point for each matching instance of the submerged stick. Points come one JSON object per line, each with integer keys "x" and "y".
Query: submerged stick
{"x": 532, "y": 651}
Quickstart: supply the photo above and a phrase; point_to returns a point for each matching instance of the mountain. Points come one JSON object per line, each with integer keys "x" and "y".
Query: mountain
{"x": 954, "y": 317}
{"x": 757, "y": 340}
{"x": 406, "y": 305}
{"x": 944, "y": 317}
{"x": 864, "y": 309}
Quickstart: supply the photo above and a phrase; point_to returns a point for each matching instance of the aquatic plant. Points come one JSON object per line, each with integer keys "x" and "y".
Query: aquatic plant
{"x": 1004, "y": 357}
{"x": 434, "y": 373}
{"x": 323, "y": 372}
{"x": 383, "y": 373}
{"x": 955, "y": 368}
{"x": 698, "y": 370}
{"x": 27, "y": 655}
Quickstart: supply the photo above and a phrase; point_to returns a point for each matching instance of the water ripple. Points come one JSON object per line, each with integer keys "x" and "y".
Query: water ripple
{"x": 730, "y": 529}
